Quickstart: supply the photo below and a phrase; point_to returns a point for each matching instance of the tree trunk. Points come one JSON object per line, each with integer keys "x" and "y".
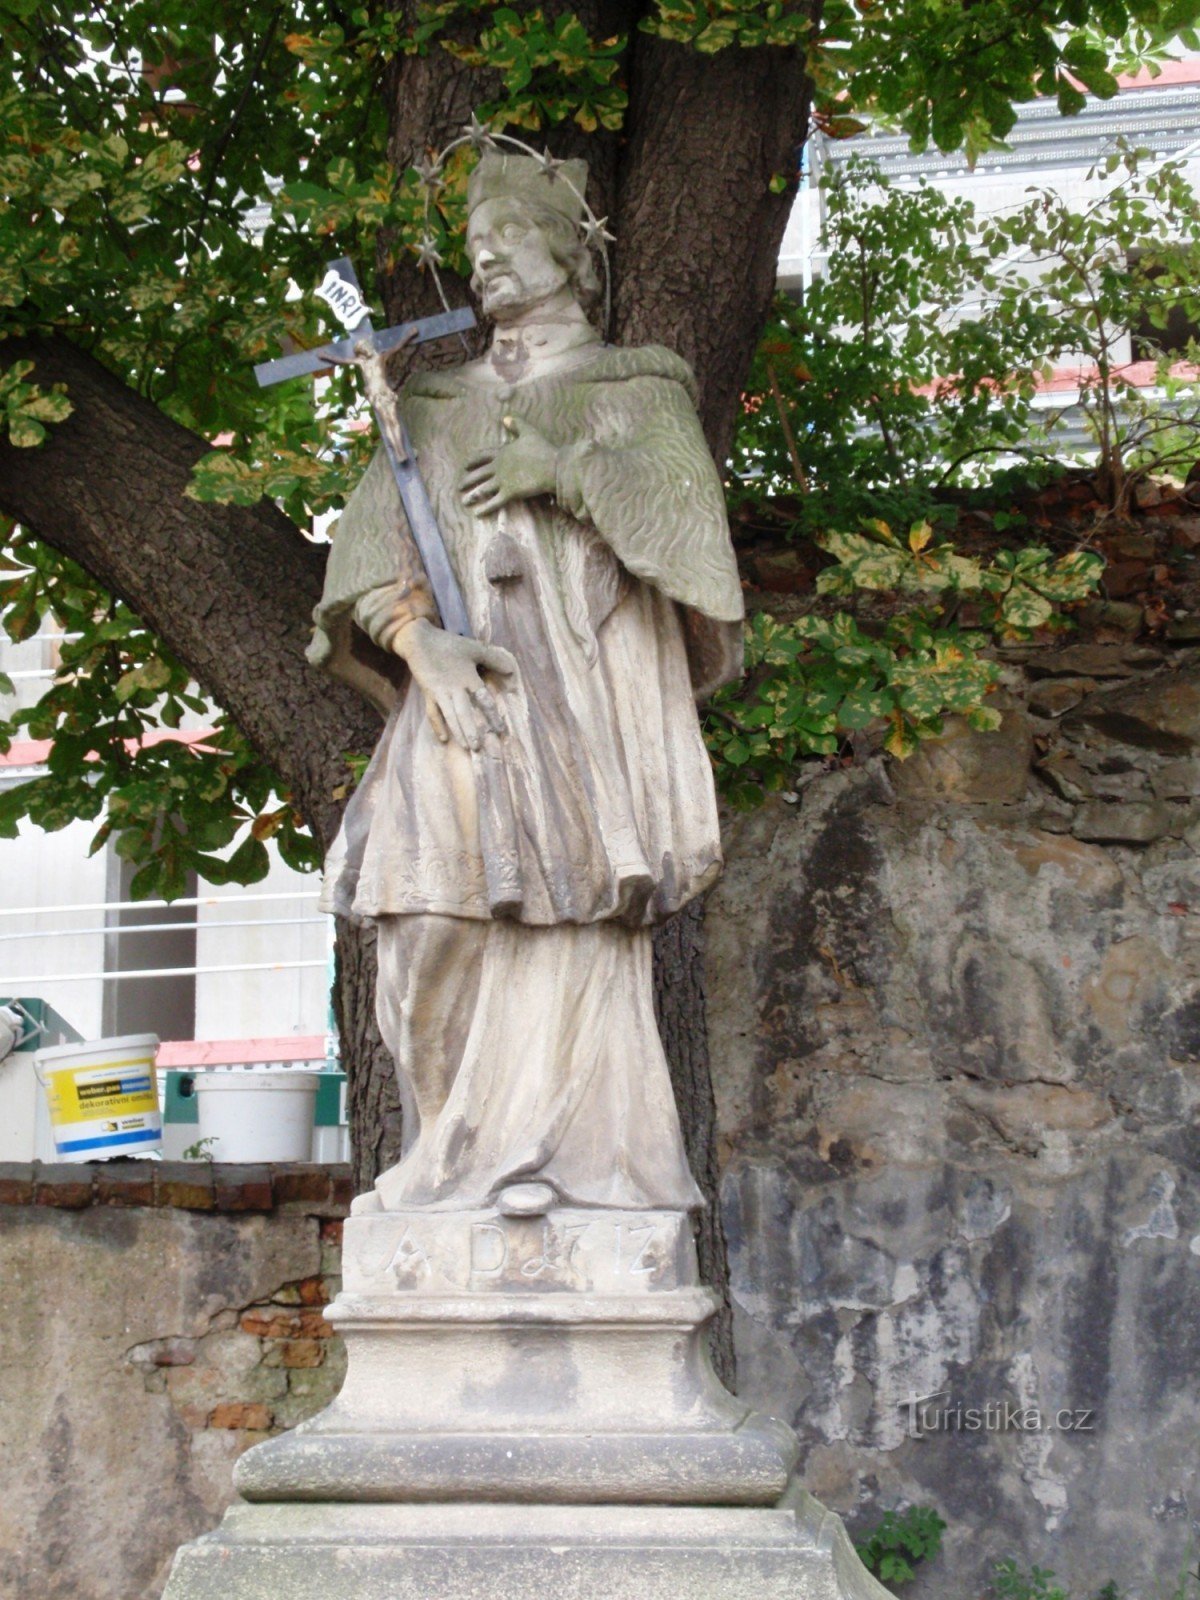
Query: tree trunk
{"x": 231, "y": 589}
{"x": 698, "y": 233}
{"x": 372, "y": 1097}
{"x": 679, "y": 1007}
{"x": 698, "y": 227}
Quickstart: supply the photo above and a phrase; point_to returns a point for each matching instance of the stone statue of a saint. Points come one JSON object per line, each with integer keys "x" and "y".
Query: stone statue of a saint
{"x": 529, "y": 1406}
{"x": 541, "y": 797}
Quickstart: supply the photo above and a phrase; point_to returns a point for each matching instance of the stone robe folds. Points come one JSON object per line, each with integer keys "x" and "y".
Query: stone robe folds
{"x": 514, "y": 886}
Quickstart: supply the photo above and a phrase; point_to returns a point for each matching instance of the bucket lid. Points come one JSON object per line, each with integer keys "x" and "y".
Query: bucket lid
{"x": 145, "y": 1043}
{"x": 255, "y": 1077}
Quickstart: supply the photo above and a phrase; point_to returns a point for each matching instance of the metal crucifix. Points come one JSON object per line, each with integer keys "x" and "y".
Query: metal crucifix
{"x": 367, "y": 350}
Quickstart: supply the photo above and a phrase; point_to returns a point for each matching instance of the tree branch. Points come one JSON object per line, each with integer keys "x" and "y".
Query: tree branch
{"x": 230, "y": 588}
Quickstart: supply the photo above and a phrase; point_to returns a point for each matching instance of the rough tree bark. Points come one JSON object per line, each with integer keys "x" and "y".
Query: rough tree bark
{"x": 679, "y": 1007}
{"x": 706, "y": 135}
{"x": 697, "y": 225}
{"x": 231, "y": 590}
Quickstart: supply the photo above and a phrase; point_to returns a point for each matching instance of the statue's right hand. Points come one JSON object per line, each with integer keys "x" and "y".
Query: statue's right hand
{"x": 447, "y": 670}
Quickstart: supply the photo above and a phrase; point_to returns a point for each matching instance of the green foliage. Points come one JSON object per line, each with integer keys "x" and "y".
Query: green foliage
{"x": 140, "y": 138}
{"x": 946, "y": 74}
{"x": 1018, "y": 590}
{"x": 1129, "y": 259}
{"x": 712, "y": 25}
{"x": 202, "y": 1150}
{"x": 551, "y": 70}
{"x": 27, "y": 409}
{"x": 137, "y": 141}
{"x": 901, "y": 1541}
{"x": 306, "y": 472}
{"x": 951, "y": 75}
{"x": 877, "y": 390}
{"x": 812, "y": 682}
{"x": 114, "y": 715}
{"x": 904, "y": 1539}
{"x": 1012, "y": 1581}
{"x": 852, "y": 418}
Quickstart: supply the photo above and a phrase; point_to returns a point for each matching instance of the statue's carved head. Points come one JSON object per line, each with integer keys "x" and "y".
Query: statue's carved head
{"x": 525, "y": 235}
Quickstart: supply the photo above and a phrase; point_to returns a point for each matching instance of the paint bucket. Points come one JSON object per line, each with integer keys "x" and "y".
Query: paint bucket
{"x": 103, "y": 1098}
{"x": 256, "y": 1113}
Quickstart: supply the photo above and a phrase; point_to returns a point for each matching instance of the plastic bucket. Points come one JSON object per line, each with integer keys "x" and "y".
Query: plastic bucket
{"x": 256, "y": 1113}
{"x": 103, "y": 1097}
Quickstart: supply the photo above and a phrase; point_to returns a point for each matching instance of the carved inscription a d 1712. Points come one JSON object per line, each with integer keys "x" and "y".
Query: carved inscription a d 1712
{"x": 465, "y": 1252}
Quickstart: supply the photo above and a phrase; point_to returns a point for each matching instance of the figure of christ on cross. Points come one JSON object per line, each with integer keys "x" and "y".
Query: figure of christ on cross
{"x": 541, "y": 797}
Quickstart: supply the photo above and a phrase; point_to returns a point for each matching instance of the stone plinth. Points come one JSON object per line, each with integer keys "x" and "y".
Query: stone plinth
{"x": 558, "y": 1358}
{"x": 796, "y": 1551}
{"x": 529, "y": 1408}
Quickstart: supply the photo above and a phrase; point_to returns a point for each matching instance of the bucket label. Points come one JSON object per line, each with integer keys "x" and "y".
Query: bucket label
{"x": 88, "y": 1136}
{"x": 106, "y": 1108}
{"x": 83, "y": 1094}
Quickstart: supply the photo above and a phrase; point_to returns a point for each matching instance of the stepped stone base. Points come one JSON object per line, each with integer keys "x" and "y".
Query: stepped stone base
{"x": 560, "y": 1358}
{"x": 521, "y": 1552}
{"x": 529, "y": 1410}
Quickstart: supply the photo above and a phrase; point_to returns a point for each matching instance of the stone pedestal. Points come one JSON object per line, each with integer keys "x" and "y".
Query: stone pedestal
{"x": 529, "y": 1409}
{"x": 524, "y": 1552}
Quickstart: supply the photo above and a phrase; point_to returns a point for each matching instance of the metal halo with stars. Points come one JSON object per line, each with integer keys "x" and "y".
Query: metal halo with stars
{"x": 480, "y": 137}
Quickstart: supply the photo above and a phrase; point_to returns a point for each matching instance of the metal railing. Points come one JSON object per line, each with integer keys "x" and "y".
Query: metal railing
{"x": 23, "y": 982}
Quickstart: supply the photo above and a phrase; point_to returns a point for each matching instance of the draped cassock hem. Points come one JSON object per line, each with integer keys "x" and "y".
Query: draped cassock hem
{"x": 527, "y": 1055}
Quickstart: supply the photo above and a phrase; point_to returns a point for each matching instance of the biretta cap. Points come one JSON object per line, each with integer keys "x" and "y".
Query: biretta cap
{"x": 518, "y": 177}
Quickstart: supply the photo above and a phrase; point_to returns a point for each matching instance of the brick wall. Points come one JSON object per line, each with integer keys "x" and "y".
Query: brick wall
{"x": 160, "y": 1318}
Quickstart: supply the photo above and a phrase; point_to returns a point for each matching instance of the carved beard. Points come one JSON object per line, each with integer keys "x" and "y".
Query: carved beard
{"x": 506, "y": 292}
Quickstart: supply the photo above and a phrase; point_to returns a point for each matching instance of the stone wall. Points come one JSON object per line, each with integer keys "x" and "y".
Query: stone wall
{"x": 954, "y": 1010}
{"x": 955, "y": 1027}
{"x": 158, "y": 1319}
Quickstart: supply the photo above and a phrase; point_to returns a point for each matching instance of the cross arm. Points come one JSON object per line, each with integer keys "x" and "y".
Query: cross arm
{"x": 446, "y": 322}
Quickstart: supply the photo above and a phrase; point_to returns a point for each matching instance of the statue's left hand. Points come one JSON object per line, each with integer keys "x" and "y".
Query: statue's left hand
{"x": 521, "y": 469}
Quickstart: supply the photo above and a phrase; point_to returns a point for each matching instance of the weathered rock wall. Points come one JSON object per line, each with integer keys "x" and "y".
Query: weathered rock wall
{"x": 954, "y": 1010}
{"x": 957, "y": 1053}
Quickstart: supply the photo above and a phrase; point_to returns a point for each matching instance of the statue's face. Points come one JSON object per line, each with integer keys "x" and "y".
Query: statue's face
{"x": 515, "y": 269}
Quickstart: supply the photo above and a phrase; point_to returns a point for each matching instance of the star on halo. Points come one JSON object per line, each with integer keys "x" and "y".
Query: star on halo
{"x": 427, "y": 255}
{"x": 477, "y": 134}
{"x": 430, "y": 173}
{"x": 595, "y": 232}
{"x": 550, "y": 165}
